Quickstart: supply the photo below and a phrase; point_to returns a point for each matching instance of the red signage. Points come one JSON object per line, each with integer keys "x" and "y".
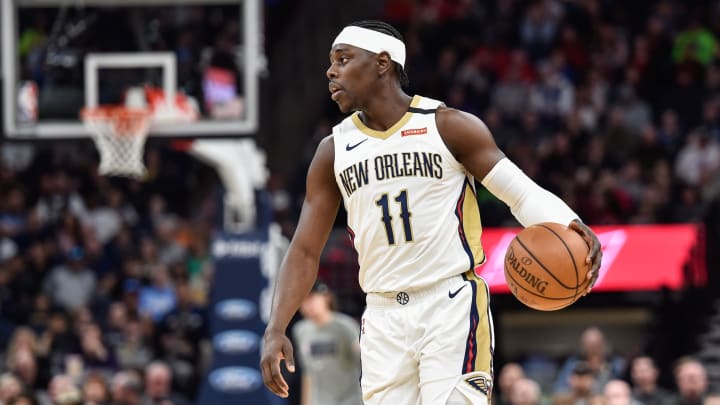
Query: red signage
{"x": 635, "y": 258}
{"x": 415, "y": 131}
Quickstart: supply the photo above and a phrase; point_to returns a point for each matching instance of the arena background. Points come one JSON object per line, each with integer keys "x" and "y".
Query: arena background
{"x": 612, "y": 105}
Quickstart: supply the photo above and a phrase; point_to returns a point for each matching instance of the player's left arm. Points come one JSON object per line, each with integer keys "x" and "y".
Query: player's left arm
{"x": 472, "y": 144}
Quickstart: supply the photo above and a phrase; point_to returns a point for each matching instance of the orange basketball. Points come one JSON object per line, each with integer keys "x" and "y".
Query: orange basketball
{"x": 545, "y": 266}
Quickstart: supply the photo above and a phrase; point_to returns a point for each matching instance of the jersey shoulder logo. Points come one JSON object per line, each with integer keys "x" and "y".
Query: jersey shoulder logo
{"x": 349, "y": 147}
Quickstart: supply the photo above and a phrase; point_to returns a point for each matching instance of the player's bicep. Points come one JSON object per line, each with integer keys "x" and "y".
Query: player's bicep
{"x": 470, "y": 141}
{"x": 322, "y": 200}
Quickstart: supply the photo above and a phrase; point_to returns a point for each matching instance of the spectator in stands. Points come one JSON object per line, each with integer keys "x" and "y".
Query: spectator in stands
{"x": 696, "y": 43}
{"x": 95, "y": 351}
{"x": 71, "y": 285}
{"x": 10, "y": 388}
{"x": 581, "y": 383}
{"x": 133, "y": 349}
{"x": 691, "y": 380}
{"x": 539, "y": 27}
{"x": 62, "y": 391}
{"x": 617, "y": 392}
{"x": 126, "y": 387}
{"x": 57, "y": 340}
{"x": 525, "y": 392}
{"x": 100, "y": 217}
{"x": 169, "y": 251}
{"x": 644, "y": 376}
{"x": 12, "y": 213}
{"x": 131, "y": 290}
{"x": 117, "y": 318}
{"x": 669, "y": 134}
{"x": 24, "y": 399}
{"x": 509, "y": 374}
{"x": 95, "y": 390}
{"x": 637, "y": 114}
{"x": 328, "y": 351}
{"x": 511, "y": 94}
{"x": 148, "y": 257}
{"x": 157, "y": 299}
{"x": 158, "y": 386}
{"x": 618, "y": 139}
{"x": 597, "y": 356}
{"x": 553, "y": 96}
{"x": 698, "y": 160}
{"x": 58, "y": 198}
{"x": 181, "y": 335}
{"x": 22, "y": 363}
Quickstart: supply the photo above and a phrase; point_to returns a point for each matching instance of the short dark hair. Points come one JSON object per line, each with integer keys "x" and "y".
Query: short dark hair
{"x": 385, "y": 28}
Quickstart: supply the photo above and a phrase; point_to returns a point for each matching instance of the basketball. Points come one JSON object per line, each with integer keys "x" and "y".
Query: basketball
{"x": 545, "y": 266}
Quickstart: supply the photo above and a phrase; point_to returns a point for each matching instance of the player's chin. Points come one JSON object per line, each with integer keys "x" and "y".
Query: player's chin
{"x": 344, "y": 108}
{"x": 344, "y": 105}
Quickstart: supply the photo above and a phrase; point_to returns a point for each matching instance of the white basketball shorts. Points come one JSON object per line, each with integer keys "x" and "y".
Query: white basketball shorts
{"x": 428, "y": 347}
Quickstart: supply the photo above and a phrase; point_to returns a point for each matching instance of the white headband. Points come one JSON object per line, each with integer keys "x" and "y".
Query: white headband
{"x": 372, "y": 41}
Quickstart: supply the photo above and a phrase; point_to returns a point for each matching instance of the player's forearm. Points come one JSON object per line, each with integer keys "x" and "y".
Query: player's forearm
{"x": 295, "y": 279}
{"x": 529, "y": 203}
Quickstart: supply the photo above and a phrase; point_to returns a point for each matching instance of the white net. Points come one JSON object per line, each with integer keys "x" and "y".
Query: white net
{"x": 119, "y": 134}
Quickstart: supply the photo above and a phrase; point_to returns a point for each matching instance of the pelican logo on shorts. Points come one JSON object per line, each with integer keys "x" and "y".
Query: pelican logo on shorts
{"x": 402, "y": 298}
{"x": 480, "y": 383}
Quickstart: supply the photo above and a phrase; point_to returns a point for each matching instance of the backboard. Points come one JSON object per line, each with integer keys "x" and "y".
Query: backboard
{"x": 59, "y": 56}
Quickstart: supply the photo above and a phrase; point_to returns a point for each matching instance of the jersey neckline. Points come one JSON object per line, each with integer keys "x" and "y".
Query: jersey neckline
{"x": 385, "y": 134}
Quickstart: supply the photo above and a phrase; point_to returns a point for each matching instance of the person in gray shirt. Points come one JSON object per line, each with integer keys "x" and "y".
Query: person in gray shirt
{"x": 71, "y": 286}
{"x": 329, "y": 351}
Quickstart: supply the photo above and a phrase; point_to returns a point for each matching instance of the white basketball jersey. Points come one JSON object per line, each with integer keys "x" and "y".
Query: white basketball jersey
{"x": 412, "y": 211}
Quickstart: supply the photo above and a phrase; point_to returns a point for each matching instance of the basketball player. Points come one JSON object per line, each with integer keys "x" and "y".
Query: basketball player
{"x": 406, "y": 169}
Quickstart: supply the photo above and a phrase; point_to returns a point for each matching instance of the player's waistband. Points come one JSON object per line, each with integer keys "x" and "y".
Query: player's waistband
{"x": 410, "y": 297}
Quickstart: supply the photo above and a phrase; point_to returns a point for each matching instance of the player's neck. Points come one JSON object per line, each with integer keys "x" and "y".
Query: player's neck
{"x": 385, "y": 109}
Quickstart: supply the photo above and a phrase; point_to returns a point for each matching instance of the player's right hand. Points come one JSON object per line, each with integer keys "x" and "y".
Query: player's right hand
{"x": 276, "y": 347}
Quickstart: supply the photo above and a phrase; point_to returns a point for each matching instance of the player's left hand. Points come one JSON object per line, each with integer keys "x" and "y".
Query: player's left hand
{"x": 594, "y": 258}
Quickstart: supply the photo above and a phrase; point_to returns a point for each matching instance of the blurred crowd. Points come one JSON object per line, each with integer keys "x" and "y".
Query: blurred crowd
{"x": 597, "y": 376}
{"x": 103, "y": 282}
{"x": 613, "y": 105}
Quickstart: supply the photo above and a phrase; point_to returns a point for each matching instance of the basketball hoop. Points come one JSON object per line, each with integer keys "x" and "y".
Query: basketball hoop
{"x": 119, "y": 133}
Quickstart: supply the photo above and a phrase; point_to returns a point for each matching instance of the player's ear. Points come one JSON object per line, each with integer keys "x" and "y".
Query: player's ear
{"x": 384, "y": 63}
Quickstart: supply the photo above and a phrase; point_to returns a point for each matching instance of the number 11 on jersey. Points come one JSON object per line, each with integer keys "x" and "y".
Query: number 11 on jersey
{"x": 402, "y": 200}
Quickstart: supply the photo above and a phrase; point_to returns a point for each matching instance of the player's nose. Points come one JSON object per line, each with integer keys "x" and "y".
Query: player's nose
{"x": 331, "y": 73}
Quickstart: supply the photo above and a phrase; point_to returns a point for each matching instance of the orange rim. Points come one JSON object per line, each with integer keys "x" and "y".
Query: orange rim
{"x": 125, "y": 121}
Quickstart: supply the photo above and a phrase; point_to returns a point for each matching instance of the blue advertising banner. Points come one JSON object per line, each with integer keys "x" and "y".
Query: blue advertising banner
{"x": 244, "y": 268}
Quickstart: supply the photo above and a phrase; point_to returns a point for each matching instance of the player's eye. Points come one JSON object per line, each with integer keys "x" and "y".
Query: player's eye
{"x": 344, "y": 60}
